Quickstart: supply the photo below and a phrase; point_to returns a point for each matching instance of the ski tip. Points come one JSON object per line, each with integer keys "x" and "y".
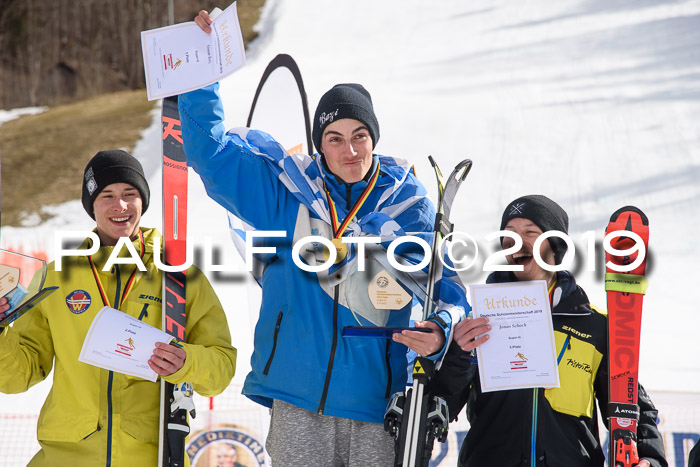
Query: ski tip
{"x": 283, "y": 60}
{"x": 465, "y": 166}
{"x": 634, "y": 209}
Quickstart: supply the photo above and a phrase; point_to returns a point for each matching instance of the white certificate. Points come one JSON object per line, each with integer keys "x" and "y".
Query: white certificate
{"x": 182, "y": 57}
{"x": 121, "y": 343}
{"x": 520, "y": 352}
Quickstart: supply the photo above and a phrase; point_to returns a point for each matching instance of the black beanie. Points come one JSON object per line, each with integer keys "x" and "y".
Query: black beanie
{"x": 546, "y": 214}
{"x": 113, "y": 166}
{"x": 345, "y": 101}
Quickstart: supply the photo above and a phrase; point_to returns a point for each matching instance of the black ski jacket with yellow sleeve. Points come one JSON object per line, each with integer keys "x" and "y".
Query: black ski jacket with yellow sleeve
{"x": 545, "y": 427}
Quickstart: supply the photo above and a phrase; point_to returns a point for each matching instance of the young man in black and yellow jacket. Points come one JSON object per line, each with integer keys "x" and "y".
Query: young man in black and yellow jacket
{"x": 93, "y": 416}
{"x": 556, "y": 427}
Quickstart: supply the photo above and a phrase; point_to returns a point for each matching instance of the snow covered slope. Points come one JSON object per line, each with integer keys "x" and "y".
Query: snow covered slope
{"x": 594, "y": 104}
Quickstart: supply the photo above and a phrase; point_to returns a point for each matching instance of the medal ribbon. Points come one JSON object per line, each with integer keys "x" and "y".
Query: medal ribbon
{"x": 129, "y": 283}
{"x": 339, "y": 229}
{"x": 551, "y": 290}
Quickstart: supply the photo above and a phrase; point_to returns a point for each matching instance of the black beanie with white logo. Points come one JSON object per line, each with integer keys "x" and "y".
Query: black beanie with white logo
{"x": 545, "y": 213}
{"x": 113, "y": 166}
{"x": 349, "y": 100}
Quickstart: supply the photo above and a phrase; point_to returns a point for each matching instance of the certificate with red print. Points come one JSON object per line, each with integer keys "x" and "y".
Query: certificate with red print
{"x": 521, "y": 350}
{"x": 121, "y": 343}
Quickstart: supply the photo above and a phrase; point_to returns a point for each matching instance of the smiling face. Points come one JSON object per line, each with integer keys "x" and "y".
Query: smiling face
{"x": 117, "y": 212}
{"x": 529, "y": 232}
{"x": 346, "y": 145}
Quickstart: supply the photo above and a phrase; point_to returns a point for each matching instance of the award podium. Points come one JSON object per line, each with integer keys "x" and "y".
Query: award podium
{"x": 22, "y": 282}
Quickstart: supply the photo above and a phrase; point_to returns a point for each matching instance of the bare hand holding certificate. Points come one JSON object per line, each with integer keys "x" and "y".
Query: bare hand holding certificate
{"x": 520, "y": 352}
{"x": 121, "y": 343}
{"x": 182, "y": 57}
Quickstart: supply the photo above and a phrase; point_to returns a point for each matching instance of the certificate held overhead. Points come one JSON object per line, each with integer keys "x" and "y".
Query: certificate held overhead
{"x": 182, "y": 57}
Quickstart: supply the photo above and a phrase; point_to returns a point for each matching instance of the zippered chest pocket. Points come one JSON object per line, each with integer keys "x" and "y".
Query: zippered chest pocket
{"x": 146, "y": 308}
{"x": 275, "y": 336}
{"x": 578, "y": 367}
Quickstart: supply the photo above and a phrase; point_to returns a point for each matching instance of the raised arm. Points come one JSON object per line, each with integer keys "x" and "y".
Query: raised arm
{"x": 233, "y": 165}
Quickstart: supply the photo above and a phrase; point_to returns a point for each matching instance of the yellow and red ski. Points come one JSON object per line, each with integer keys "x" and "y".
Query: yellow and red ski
{"x": 626, "y": 241}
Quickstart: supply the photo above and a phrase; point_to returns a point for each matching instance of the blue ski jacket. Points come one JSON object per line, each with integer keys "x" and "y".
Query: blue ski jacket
{"x": 300, "y": 355}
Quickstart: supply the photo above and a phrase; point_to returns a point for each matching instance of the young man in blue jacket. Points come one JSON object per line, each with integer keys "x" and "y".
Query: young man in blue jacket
{"x": 328, "y": 393}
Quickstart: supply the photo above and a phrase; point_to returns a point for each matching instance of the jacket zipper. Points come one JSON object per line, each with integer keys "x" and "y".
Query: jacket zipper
{"x": 109, "y": 419}
{"x": 272, "y": 260}
{"x": 96, "y": 430}
{"x": 322, "y": 404}
{"x": 388, "y": 369}
{"x": 567, "y": 344}
{"x": 533, "y": 441}
{"x": 274, "y": 343}
{"x": 331, "y": 358}
{"x": 111, "y": 377}
{"x": 144, "y": 313}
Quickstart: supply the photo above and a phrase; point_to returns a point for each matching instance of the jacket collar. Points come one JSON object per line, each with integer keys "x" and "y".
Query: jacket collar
{"x": 148, "y": 234}
{"x": 340, "y": 191}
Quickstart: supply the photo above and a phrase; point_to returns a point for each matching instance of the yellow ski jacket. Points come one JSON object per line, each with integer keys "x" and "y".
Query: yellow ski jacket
{"x": 92, "y": 416}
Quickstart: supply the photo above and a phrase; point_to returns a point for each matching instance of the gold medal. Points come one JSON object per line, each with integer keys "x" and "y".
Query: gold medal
{"x": 341, "y": 250}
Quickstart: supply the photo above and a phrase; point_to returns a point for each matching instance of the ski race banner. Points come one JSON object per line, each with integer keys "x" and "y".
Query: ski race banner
{"x": 231, "y": 420}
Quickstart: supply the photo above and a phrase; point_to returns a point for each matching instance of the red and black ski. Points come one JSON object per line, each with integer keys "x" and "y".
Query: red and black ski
{"x": 280, "y": 106}
{"x": 625, "y": 284}
{"x": 173, "y": 417}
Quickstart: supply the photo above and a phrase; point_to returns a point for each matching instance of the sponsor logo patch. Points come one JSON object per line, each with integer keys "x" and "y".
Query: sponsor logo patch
{"x": 327, "y": 117}
{"x": 91, "y": 185}
{"x": 78, "y": 301}
{"x": 579, "y": 366}
{"x": 516, "y": 209}
{"x": 151, "y": 298}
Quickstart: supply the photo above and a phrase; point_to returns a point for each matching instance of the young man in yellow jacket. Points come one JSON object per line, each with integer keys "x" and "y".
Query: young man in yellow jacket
{"x": 92, "y": 416}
